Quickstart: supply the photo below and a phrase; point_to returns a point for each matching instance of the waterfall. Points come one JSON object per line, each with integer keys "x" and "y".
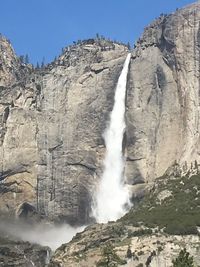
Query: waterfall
{"x": 112, "y": 195}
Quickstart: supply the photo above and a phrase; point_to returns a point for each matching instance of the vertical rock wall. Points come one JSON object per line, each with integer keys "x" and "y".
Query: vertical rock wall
{"x": 163, "y": 96}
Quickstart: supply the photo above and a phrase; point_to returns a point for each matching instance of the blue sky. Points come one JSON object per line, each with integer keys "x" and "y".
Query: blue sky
{"x": 40, "y": 28}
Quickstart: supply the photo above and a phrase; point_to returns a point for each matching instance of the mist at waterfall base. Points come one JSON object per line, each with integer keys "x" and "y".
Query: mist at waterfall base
{"x": 43, "y": 234}
{"x": 112, "y": 197}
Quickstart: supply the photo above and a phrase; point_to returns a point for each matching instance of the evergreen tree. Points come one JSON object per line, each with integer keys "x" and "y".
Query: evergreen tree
{"x": 21, "y": 58}
{"x": 97, "y": 36}
{"x": 196, "y": 165}
{"x": 183, "y": 260}
{"x": 129, "y": 46}
{"x": 26, "y": 59}
{"x": 109, "y": 257}
{"x": 43, "y": 63}
{"x": 129, "y": 253}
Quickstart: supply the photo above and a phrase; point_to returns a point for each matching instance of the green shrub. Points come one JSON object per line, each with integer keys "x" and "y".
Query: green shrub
{"x": 142, "y": 232}
{"x": 175, "y": 229}
{"x": 183, "y": 260}
{"x": 140, "y": 253}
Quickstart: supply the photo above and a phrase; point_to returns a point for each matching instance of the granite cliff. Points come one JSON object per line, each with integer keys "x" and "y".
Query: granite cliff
{"x": 163, "y": 97}
{"x": 51, "y": 145}
{"x": 52, "y": 119}
{"x": 52, "y": 122}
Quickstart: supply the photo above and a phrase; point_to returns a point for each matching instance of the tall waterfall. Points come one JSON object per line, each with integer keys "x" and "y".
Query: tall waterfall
{"x": 112, "y": 194}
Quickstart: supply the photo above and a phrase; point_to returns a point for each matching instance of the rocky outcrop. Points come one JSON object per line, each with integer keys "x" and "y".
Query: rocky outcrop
{"x": 22, "y": 254}
{"x": 12, "y": 69}
{"x": 153, "y": 250}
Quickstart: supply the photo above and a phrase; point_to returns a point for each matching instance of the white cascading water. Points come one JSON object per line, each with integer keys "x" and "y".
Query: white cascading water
{"x": 112, "y": 195}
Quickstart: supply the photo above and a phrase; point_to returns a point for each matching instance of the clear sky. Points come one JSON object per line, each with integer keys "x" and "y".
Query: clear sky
{"x": 40, "y": 28}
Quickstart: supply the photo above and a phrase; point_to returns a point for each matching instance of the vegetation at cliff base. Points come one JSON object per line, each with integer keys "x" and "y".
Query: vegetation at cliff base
{"x": 176, "y": 213}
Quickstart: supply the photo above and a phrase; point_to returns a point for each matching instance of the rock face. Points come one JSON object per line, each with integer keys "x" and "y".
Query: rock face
{"x": 11, "y": 67}
{"x": 52, "y": 119}
{"x": 163, "y": 96}
{"x": 51, "y": 130}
